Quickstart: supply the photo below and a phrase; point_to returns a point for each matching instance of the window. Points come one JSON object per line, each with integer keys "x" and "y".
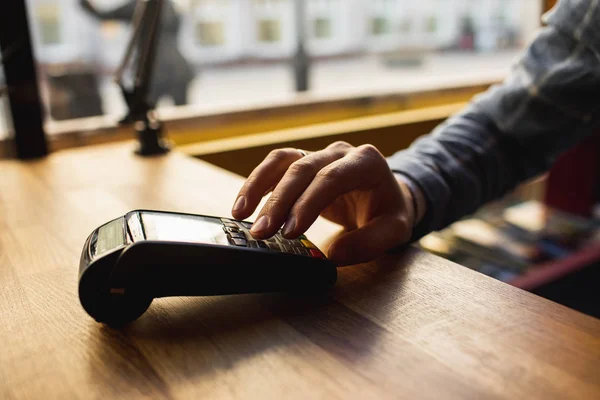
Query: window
{"x": 405, "y": 25}
{"x": 210, "y": 34}
{"x": 322, "y": 28}
{"x": 269, "y": 30}
{"x": 209, "y": 3}
{"x": 431, "y": 24}
{"x": 48, "y": 18}
{"x": 267, "y": 2}
{"x": 380, "y": 26}
{"x": 222, "y": 52}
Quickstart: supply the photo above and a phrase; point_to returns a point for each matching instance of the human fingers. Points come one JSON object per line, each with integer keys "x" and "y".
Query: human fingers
{"x": 291, "y": 186}
{"x": 264, "y": 177}
{"x": 362, "y": 168}
{"x": 370, "y": 241}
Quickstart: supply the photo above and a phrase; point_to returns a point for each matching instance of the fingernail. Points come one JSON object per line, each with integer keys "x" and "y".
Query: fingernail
{"x": 260, "y": 225}
{"x": 289, "y": 225}
{"x": 239, "y": 203}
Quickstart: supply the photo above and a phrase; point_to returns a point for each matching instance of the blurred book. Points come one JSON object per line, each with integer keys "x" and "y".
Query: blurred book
{"x": 490, "y": 244}
{"x": 537, "y": 221}
{"x": 499, "y": 273}
{"x": 508, "y": 241}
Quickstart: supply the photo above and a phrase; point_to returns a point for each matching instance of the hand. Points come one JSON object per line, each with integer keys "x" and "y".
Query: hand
{"x": 351, "y": 186}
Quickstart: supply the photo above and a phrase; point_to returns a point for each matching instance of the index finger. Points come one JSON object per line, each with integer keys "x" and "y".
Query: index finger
{"x": 264, "y": 177}
{"x": 363, "y": 169}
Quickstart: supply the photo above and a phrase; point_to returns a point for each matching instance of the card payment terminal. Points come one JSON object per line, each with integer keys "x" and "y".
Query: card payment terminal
{"x": 147, "y": 254}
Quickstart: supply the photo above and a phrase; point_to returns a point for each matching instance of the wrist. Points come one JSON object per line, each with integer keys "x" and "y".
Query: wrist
{"x": 415, "y": 196}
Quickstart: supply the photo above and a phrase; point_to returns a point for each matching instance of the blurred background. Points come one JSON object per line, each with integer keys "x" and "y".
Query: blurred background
{"x": 235, "y": 79}
{"x": 241, "y": 52}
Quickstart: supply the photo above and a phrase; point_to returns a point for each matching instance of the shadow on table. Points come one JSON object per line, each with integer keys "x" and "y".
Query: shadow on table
{"x": 191, "y": 337}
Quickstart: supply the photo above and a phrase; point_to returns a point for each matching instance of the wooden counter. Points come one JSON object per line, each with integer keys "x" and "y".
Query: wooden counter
{"x": 411, "y": 325}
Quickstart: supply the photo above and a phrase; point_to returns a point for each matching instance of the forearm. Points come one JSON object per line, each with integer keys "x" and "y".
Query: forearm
{"x": 513, "y": 131}
{"x": 464, "y": 163}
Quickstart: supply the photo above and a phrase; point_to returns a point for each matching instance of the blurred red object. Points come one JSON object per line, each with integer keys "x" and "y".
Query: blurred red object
{"x": 572, "y": 184}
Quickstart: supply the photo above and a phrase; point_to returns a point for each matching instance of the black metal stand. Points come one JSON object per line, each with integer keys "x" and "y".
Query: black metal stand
{"x": 21, "y": 81}
{"x": 151, "y": 141}
{"x": 301, "y": 69}
{"x": 148, "y": 128}
{"x": 301, "y": 60}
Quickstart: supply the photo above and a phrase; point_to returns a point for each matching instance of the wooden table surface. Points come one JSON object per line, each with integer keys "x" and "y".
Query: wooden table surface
{"x": 410, "y": 325}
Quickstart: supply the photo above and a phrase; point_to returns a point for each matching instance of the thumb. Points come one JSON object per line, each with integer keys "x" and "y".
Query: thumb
{"x": 370, "y": 241}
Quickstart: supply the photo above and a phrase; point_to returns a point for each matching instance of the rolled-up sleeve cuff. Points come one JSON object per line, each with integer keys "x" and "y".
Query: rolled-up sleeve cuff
{"x": 431, "y": 183}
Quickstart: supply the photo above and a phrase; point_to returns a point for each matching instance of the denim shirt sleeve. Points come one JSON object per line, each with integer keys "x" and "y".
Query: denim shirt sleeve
{"x": 515, "y": 130}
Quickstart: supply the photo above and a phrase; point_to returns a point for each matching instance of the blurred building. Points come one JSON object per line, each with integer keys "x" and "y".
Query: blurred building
{"x": 219, "y": 31}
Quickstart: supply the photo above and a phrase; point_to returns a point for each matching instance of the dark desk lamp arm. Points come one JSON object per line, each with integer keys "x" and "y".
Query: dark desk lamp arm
{"x": 147, "y": 126}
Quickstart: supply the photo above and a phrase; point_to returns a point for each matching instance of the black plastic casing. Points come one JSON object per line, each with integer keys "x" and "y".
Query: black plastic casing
{"x": 118, "y": 287}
